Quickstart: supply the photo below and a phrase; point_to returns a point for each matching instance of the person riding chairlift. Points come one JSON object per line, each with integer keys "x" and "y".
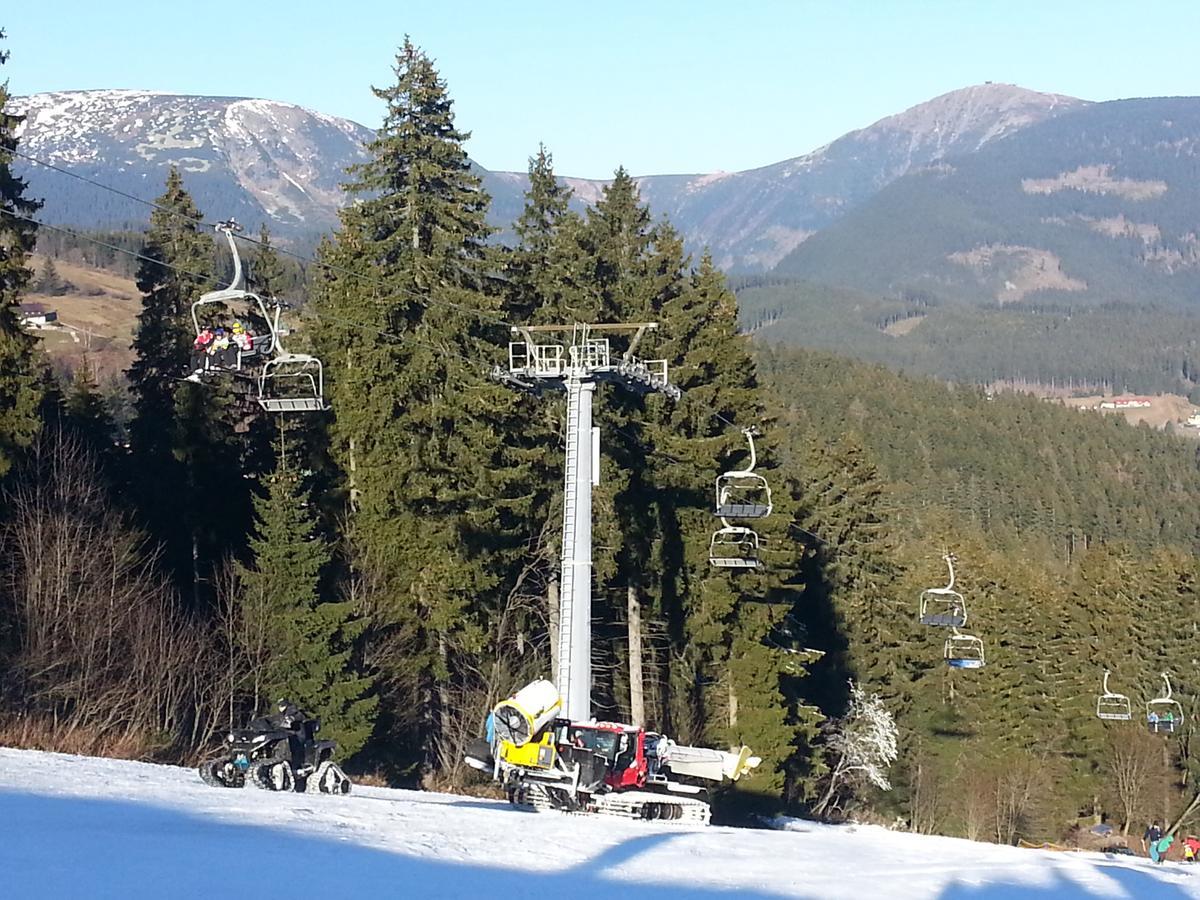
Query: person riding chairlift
{"x": 200, "y": 349}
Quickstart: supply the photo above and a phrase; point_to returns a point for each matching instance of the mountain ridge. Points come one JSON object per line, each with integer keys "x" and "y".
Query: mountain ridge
{"x": 280, "y": 163}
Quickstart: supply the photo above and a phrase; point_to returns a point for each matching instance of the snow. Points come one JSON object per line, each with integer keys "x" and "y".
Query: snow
{"x": 82, "y": 827}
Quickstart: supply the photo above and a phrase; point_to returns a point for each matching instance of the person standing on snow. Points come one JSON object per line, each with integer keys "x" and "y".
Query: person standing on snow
{"x": 1151, "y": 839}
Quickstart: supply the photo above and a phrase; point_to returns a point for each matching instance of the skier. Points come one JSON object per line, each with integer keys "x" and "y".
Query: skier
{"x": 1151, "y": 838}
{"x": 200, "y": 349}
{"x": 1191, "y": 846}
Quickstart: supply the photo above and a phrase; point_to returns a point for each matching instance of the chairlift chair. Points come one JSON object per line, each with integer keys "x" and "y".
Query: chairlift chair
{"x": 225, "y": 298}
{"x": 292, "y": 382}
{"x": 944, "y": 606}
{"x": 1163, "y": 714}
{"x": 963, "y": 651}
{"x": 1113, "y": 707}
{"x": 734, "y": 547}
{"x": 741, "y": 493}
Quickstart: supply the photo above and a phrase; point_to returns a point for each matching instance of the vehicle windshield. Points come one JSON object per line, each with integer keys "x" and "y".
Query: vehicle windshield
{"x": 602, "y": 742}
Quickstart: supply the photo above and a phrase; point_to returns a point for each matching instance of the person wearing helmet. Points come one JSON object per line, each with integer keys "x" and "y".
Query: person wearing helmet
{"x": 220, "y": 349}
{"x": 242, "y": 340}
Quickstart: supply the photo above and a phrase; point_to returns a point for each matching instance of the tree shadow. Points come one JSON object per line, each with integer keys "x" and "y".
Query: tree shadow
{"x": 1135, "y": 881}
{"x": 68, "y": 847}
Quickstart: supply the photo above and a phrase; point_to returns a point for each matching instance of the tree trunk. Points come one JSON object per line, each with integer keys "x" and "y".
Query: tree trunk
{"x": 552, "y": 602}
{"x": 637, "y": 695}
{"x": 733, "y": 704}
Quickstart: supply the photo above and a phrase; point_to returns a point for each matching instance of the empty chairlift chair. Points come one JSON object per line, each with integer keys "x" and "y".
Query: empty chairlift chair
{"x": 1163, "y": 714}
{"x": 741, "y": 493}
{"x": 292, "y": 382}
{"x": 944, "y": 606}
{"x": 733, "y": 547}
{"x": 963, "y": 651}
{"x": 1112, "y": 707}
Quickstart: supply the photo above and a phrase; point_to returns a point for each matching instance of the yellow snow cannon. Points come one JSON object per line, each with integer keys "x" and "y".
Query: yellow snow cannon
{"x": 518, "y": 719}
{"x": 539, "y": 754}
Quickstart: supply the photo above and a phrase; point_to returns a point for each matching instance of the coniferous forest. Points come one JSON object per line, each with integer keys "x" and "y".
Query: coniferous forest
{"x": 392, "y": 564}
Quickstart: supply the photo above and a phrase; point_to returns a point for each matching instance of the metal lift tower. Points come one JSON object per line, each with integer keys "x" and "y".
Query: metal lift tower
{"x": 577, "y": 367}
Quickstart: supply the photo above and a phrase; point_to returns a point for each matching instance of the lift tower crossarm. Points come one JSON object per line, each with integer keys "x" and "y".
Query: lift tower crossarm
{"x": 576, "y": 367}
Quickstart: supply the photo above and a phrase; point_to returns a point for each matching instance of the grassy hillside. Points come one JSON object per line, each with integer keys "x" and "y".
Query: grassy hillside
{"x": 97, "y": 314}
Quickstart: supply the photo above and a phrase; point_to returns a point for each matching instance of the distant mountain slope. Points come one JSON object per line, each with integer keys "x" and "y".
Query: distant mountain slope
{"x": 1097, "y": 205}
{"x": 256, "y": 160}
{"x": 261, "y": 160}
{"x": 752, "y": 219}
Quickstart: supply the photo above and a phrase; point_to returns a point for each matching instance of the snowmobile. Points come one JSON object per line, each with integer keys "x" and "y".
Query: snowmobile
{"x": 278, "y": 753}
{"x": 546, "y": 762}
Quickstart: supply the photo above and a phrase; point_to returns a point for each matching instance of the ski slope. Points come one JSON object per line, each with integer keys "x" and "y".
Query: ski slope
{"x": 78, "y": 827}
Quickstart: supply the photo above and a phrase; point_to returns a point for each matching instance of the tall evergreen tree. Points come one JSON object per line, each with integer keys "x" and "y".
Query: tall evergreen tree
{"x": 417, "y": 432}
{"x": 266, "y": 272}
{"x": 190, "y": 443}
{"x": 21, "y": 369}
{"x": 305, "y": 649}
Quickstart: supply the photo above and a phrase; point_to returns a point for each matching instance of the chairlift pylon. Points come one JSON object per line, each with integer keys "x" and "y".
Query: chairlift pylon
{"x": 1164, "y": 714}
{"x": 742, "y": 493}
{"x": 944, "y": 606}
{"x": 1111, "y": 706}
{"x": 963, "y": 651}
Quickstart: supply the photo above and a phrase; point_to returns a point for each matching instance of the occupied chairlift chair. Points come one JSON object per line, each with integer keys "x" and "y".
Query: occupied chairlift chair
{"x": 1113, "y": 707}
{"x": 963, "y": 651}
{"x": 944, "y": 606}
{"x": 1163, "y": 714}
{"x": 226, "y": 298}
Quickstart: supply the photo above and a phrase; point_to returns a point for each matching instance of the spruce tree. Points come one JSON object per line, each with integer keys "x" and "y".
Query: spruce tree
{"x": 190, "y": 443}
{"x": 21, "y": 368}
{"x": 417, "y": 432}
{"x": 265, "y": 274}
{"x": 306, "y": 642}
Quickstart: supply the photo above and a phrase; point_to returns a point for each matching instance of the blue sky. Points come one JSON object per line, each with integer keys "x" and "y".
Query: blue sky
{"x": 658, "y": 86}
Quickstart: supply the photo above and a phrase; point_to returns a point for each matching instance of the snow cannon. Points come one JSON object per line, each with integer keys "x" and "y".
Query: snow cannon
{"x": 518, "y": 719}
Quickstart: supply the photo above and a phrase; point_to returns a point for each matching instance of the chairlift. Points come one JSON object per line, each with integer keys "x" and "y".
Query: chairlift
{"x": 742, "y": 494}
{"x": 734, "y": 547}
{"x": 1164, "y": 715}
{"x": 231, "y": 305}
{"x": 944, "y": 606}
{"x": 963, "y": 651}
{"x": 1113, "y": 707}
{"x": 292, "y": 382}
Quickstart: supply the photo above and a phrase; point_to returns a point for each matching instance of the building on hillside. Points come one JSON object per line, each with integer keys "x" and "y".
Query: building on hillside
{"x": 36, "y": 317}
{"x": 1125, "y": 403}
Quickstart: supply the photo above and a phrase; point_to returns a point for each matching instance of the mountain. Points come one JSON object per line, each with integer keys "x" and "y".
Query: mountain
{"x": 255, "y": 160}
{"x": 752, "y": 219}
{"x": 1094, "y": 206}
{"x": 1066, "y": 254}
{"x": 261, "y": 160}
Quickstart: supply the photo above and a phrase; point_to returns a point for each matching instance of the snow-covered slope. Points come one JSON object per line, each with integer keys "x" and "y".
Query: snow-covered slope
{"x": 80, "y": 827}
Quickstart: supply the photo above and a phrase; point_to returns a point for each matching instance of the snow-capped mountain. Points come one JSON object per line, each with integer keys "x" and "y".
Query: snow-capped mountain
{"x": 265, "y": 161}
{"x": 257, "y": 160}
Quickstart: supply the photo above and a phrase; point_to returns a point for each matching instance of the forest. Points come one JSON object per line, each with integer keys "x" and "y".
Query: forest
{"x": 392, "y": 564}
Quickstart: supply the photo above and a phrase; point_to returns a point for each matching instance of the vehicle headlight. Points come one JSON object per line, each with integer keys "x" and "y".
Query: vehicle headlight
{"x": 229, "y": 737}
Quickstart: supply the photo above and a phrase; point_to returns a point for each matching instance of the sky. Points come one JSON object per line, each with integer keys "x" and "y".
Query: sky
{"x": 658, "y": 86}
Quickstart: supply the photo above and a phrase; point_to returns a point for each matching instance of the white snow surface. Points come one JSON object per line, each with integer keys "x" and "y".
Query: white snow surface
{"x": 81, "y": 827}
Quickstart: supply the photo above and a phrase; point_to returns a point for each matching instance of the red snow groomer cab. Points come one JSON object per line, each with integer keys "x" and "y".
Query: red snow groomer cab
{"x": 545, "y": 762}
